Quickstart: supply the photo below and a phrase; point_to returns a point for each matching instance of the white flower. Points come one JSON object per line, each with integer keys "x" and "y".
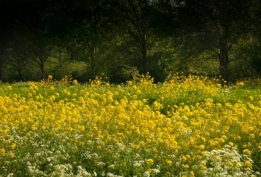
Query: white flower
{"x": 156, "y": 170}
{"x": 82, "y": 172}
{"x": 95, "y": 155}
{"x": 111, "y": 166}
{"x": 228, "y": 166}
{"x": 137, "y": 164}
{"x": 110, "y": 175}
{"x": 146, "y": 174}
{"x": 100, "y": 163}
{"x": 97, "y": 140}
{"x": 87, "y": 155}
{"x": 151, "y": 136}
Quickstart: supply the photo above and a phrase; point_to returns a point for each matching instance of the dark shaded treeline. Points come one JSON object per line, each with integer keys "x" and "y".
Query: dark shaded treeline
{"x": 121, "y": 38}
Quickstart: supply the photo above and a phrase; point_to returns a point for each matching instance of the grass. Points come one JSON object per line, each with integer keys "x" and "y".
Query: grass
{"x": 186, "y": 126}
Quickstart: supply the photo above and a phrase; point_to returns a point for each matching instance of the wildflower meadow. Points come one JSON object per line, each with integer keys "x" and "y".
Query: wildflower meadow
{"x": 187, "y": 126}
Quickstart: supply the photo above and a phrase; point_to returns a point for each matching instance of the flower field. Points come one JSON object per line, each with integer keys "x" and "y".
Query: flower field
{"x": 187, "y": 126}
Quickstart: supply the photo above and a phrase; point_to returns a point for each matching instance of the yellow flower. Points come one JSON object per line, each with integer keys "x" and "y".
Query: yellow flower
{"x": 13, "y": 146}
{"x": 186, "y": 166}
{"x": 75, "y": 82}
{"x": 259, "y": 148}
{"x": 201, "y": 147}
{"x": 155, "y": 150}
{"x": 238, "y": 165}
{"x": 248, "y": 164}
{"x": 150, "y": 161}
{"x": 142, "y": 143}
{"x": 203, "y": 153}
{"x": 169, "y": 162}
{"x": 203, "y": 167}
{"x": 11, "y": 155}
{"x": 219, "y": 159}
{"x": 168, "y": 174}
{"x": 191, "y": 174}
{"x": 247, "y": 152}
{"x": 29, "y": 95}
{"x": 2, "y": 151}
{"x": 184, "y": 158}
{"x": 230, "y": 164}
{"x": 252, "y": 136}
{"x": 9, "y": 87}
{"x": 231, "y": 144}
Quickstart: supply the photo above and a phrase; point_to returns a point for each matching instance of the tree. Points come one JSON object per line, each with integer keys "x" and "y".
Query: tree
{"x": 92, "y": 33}
{"x": 254, "y": 51}
{"x": 2, "y": 57}
{"x": 6, "y": 21}
{"x": 86, "y": 29}
{"x": 17, "y": 58}
{"x": 134, "y": 19}
{"x": 29, "y": 28}
{"x": 222, "y": 23}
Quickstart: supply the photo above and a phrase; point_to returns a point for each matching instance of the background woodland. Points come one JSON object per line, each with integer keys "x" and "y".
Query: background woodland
{"x": 118, "y": 39}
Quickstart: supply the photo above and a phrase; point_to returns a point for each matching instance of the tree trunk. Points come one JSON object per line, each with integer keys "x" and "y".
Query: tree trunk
{"x": 1, "y": 62}
{"x": 224, "y": 58}
{"x": 144, "y": 57}
{"x": 19, "y": 70}
{"x": 223, "y": 64}
{"x": 42, "y": 71}
{"x": 92, "y": 59}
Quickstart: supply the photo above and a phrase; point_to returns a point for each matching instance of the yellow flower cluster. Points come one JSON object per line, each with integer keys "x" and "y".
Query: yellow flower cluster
{"x": 139, "y": 129}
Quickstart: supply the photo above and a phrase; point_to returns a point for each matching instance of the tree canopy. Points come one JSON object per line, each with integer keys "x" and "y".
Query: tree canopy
{"x": 121, "y": 38}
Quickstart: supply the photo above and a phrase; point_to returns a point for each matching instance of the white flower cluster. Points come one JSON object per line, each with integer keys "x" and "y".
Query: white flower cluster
{"x": 226, "y": 162}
